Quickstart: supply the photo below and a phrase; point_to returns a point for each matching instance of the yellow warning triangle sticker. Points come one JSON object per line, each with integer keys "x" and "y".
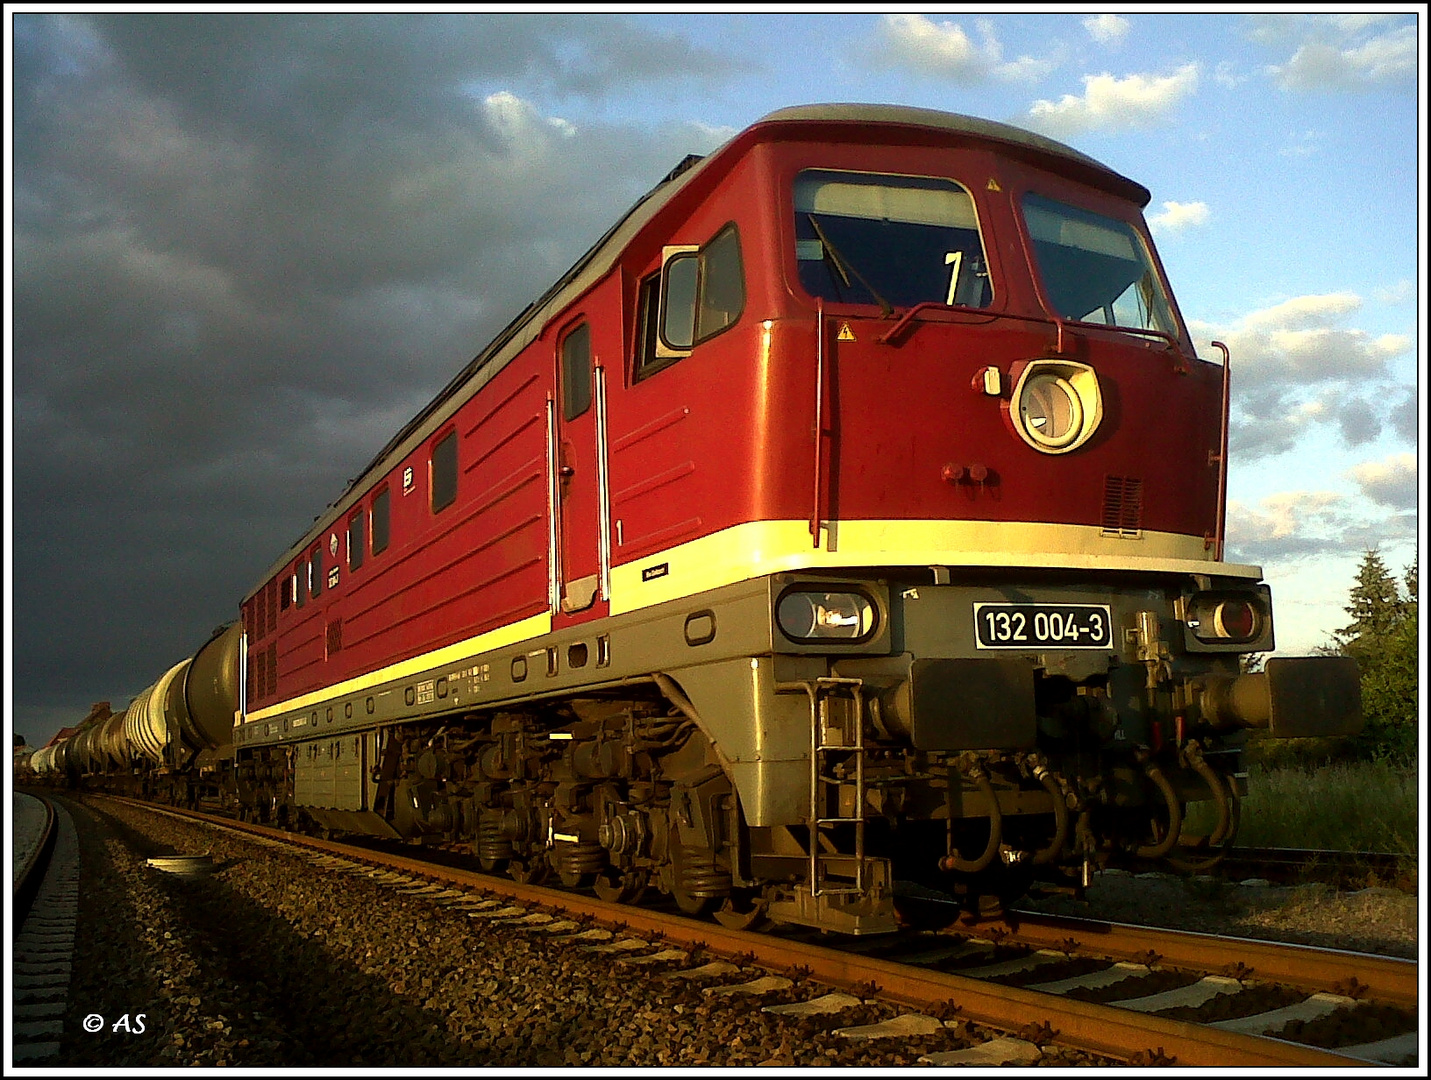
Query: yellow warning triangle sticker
{"x": 845, "y": 334}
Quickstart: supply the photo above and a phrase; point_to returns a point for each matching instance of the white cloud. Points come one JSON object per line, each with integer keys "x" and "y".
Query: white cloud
{"x": 1400, "y": 293}
{"x": 519, "y": 122}
{"x": 1224, "y": 76}
{"x": 1298, "y": 525}
{"x": 1107, "y": 29}
{"x": 1302, "y": 311}
{"x": 1332, "y": 58}
{"x": 1298, "y": 369}
{"x": 1280, "y": 516}
{"x": 944, "y": 50}
{"x": 1177, "y": 216}
{"x": 1391, "y": 481}
{"x": 1113, "y": 104}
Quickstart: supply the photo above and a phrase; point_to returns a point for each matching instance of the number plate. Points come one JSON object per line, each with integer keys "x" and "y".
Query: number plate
{"x": 1043, "y": 626}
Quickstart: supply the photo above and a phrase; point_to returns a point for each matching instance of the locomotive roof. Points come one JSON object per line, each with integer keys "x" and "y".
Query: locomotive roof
{"x": 956, "y": 123}
{"x": 604, "y": 254}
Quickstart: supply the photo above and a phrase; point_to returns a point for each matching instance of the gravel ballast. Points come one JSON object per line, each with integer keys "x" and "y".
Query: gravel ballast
{"x": 271, "y": 962}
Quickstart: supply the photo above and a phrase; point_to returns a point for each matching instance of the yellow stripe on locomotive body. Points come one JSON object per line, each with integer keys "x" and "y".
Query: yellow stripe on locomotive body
{"x": 515, "y": 633}
{"x": 757, "y": 548}
{"x": 762, "y": 548}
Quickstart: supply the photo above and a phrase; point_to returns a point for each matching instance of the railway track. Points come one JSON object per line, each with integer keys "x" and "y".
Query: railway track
{"x": 34, "y": 859}
{"x": 1017, "y": 989}
{"x": 1341, "y": 869}
{"x": 46, "y": 899}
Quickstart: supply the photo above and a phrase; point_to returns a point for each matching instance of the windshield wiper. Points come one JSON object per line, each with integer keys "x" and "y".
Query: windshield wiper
{"x": 846, "y": 268}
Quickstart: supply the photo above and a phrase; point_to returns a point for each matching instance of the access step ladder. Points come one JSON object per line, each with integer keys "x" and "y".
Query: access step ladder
{"x": 844, "y": 890}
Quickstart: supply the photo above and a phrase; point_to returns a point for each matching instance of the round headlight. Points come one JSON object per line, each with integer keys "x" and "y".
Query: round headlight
{"x": 819, "y": 616}
{"x": 1235, "y": 620}
{"x": 1056, "y": 405}
{"x": 1051, "y": 411}
{"x": 1226, "y": 620}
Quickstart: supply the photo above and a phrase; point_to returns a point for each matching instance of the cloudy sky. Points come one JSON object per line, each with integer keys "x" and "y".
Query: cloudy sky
{"x": 246, "y": 247}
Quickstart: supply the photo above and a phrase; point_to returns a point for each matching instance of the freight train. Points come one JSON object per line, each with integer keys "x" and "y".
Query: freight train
{"x": 851, "y": 514}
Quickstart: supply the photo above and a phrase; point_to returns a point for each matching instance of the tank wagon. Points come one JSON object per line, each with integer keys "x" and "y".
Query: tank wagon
{"x": 851, "y": 513}
{"x": 173, "y": 742}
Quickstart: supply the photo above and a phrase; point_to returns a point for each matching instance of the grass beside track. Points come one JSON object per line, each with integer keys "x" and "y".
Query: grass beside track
{"x": 1356, "y": 806}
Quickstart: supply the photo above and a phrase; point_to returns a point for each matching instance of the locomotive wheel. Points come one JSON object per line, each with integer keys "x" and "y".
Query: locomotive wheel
{"x": 693, "y": 905}
{"x": 575, "y": 880}
{"x": 616, "y": 887}
{"x": 742, "y": 911}
{"x": 491, "y": 865}
{"x": 531, "y": 871}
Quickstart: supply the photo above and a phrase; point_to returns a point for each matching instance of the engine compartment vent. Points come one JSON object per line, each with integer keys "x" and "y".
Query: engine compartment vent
{"x": 1123, "y": 507}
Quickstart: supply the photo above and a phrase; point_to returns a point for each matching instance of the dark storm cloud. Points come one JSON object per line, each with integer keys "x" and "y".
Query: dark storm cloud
{"x": 247, "y": 248}
{"x": 1274, "y": 419}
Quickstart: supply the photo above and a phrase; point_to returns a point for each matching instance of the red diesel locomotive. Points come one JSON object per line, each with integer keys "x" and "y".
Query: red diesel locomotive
{"x": 852, "y": 512}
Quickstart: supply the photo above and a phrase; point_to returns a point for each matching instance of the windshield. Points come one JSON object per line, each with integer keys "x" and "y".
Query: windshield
{"x": 1096, "y": 269}
{"x": 889, "y": 240}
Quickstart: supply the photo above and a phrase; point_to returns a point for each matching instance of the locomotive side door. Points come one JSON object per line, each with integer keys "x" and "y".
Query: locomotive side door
{"x": 580, "y": 493}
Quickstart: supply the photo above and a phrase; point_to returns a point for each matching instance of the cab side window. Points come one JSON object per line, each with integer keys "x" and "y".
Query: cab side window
{"x": 699, "y": 293}
{"x": 722, "y": 285}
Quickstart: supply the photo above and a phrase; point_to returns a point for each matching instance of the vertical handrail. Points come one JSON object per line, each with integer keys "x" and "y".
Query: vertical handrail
{"x": 1220, "y": 539}
{"x": 603, "y": 486}
{"x": 242, "y": 714}
{"x": 553, "y": 510}
{"x": 819, "y": 420}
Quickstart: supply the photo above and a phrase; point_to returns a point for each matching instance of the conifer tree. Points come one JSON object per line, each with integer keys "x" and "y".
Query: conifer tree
{"x": 1382, "y": 637}
{"x": 1375, "y": 607}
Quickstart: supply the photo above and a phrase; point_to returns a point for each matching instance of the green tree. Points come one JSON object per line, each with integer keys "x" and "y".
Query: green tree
{"x": 1382, "y": 638}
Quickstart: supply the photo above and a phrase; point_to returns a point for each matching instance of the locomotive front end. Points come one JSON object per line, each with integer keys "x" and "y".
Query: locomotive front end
{"x": 1017, "y": 645}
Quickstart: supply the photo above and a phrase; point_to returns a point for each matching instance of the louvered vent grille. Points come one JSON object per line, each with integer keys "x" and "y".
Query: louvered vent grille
{"x": 1122, "y": 506}
{"x": 335, "y": 636}
{"x": 273, "y": 605}
{"x": 272, "y": 670}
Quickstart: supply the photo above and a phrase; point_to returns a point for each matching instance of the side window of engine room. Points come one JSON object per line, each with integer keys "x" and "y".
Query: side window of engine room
{"x": 380, "y": 521}
{"x": 699, "y": 293}
{"x": 896, "y": 241}
{"x": 357, "y": 539}
{"x": 444, "y": 472}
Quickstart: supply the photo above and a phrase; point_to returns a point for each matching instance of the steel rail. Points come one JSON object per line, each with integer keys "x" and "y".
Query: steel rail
{"x": 1099, "y": 1029}
{"x": 1325, "y": 866}
{"x": 1386, "y": 979}
{"x": 32, "y": 872}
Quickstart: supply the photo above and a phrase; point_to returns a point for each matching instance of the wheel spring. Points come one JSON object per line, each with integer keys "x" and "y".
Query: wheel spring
{"x": 698, "y": 875}
{"x": 492, "y": 842}
{"x": 575, "y": 859}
